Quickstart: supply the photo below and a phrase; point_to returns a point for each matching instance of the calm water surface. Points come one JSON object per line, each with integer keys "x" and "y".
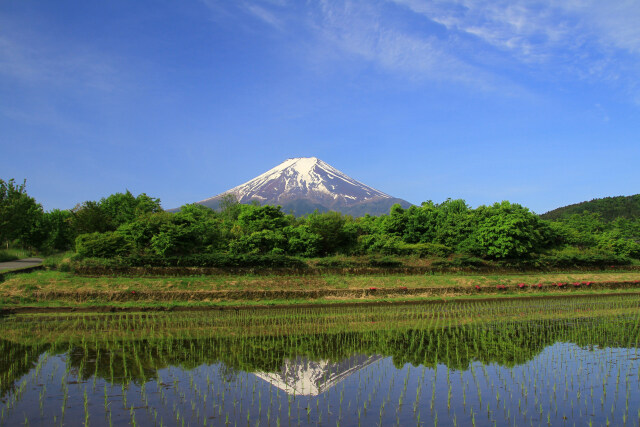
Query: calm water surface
{"x": 407, "y": 366}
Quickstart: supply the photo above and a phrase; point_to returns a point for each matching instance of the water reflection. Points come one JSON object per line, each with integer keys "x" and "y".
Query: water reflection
{"x": 400, "y": 366}
{"x": 304, "y": 377}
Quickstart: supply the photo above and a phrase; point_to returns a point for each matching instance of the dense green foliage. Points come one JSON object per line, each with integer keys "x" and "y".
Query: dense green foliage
{"x": 126, "y": 226}
{"x": 608, "y": 208}
{"x": 19, "y": 213}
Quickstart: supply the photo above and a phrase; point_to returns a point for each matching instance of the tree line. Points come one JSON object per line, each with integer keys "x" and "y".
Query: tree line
{"x": 608, "y": 208}
{"x": 124, "y": 225}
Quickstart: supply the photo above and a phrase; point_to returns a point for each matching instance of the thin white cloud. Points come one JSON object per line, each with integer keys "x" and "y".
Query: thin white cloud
{"x": 571, "y": 34}
{"x": 360, "y": 30}
{"x": 615, "y": 23}
{"x": 41, "y": 62}
{"x": 264, "y": 15}
{"x": 591, "y": 40}
{"x": 481, "y": 41}
{"x": 529, "y": 30}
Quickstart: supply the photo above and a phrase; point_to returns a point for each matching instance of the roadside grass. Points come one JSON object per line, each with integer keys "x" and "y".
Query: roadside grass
{"x": 54, "y": 261}
{"x": 13, "y": 254}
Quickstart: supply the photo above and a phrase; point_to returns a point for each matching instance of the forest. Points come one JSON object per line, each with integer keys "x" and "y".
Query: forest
{"x": 123, "y": 226}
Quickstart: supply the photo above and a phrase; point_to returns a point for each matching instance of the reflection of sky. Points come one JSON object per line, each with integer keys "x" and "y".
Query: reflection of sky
{"x": 304, "y": 377}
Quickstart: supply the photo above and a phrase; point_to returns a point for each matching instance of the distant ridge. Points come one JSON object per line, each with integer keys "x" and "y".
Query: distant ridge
{"x": 609, "y": 208}
{"x": 304, "y": 184}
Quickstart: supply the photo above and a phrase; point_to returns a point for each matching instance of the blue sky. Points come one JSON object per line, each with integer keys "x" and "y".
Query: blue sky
{"x": 536, "y": 102}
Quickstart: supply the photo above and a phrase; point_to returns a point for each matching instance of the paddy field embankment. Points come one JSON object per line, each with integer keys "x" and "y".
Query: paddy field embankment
{"x": 57, "y": 290}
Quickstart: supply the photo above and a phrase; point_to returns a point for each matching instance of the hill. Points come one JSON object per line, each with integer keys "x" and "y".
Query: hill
{"x": 609, "y": 208}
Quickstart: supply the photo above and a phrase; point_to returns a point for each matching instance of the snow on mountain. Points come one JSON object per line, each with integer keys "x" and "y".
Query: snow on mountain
{"x": 303, "y": 184}
{"x": 304, "y": 377}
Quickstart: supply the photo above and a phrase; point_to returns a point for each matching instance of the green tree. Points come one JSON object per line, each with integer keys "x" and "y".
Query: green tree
{"x": 421, "y": 222}
{"x": 122, "y": 208}
{"x": 89, "y": 217}
{"x": 60, "y": 232}
{"x": 395, "y": 223}
{"x": 507, "y": 230}
{"x": 230, "y": 207}
{"x": 336, "y": 231}
{"x": 139, "y": 233}
{"x": 260, "y": 242}
{"x": 302, "y": 241}
{"x": 257, "y": 218}
{"x": 454, "y": 222}
{"x": 20, "y": 214}
{"x": 53, "y": 232}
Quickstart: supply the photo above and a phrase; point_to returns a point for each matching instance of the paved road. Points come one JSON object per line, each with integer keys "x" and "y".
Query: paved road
{"x": 21, "y": 263}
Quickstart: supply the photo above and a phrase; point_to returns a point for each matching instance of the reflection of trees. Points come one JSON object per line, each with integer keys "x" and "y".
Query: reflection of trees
{"x": 137, "y": 359}
{"x": 16, "y": 360}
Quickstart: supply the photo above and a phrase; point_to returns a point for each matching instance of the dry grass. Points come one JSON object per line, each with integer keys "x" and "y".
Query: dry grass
{"x": 51, "y": 287}
{"x": 57, "y": 281}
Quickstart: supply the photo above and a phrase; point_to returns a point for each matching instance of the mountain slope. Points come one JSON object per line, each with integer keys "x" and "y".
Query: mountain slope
{"x": 609, "y": 208}
{"x": 304, "y": 184}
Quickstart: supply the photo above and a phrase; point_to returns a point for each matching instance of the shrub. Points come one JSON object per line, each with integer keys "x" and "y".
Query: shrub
{"x": 467, "y": 261}
{"x": 572, "y": 257}
{"x": 385, "y": 262}
{"x": 216, "y": 260}
{"x": 338, "y": 262}
{"x": 102, "y": 245}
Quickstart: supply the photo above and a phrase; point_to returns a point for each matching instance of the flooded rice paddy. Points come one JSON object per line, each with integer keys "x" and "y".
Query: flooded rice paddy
{"x": 537, "y": 362}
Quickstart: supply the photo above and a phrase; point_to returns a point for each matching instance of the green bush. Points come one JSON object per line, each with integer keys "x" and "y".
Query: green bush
{"x": 102, "y": 245}
{"x": 393, "y": 245}
{"x": 461, "y": 261}
{"x": 424, "y": 250}
{"x": 572, "y": 257}
{"x": 59, "y": 261}
{"x": 338, "y": 262}
{"x": 610, "y": 242}
{"x": 216, "y": 260}
{"x": 385, "y": 262}
{"x": 468, "y": 261}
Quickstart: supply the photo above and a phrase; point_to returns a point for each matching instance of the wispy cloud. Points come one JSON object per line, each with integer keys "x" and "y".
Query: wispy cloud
{"x": 613, "y": 23}
{"x": 42, "y": 62}
{"x": 264, "y": 15}
{"x": 585, "y": 38}
{"x": 361, "y": 30}
{"x": 525, "y": 28}
{"x": 478, "y": 39}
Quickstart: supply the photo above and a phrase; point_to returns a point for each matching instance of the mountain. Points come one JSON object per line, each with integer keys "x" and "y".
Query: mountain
{"x": 609, "y": 208}
{"x": 304, "y": 184}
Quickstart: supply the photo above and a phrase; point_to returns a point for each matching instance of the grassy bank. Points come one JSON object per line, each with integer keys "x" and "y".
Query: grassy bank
{"x": 13, "y": 254}
{"x": 57, "y": 289}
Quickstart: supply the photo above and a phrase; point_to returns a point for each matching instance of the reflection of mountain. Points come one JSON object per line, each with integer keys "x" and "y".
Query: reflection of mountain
{"x": 304, "y": 377}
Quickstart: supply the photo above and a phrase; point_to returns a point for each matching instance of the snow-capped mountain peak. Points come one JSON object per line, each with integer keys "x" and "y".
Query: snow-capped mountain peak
{"x": 304, "y": 184}
{"x": 307, "y": 177}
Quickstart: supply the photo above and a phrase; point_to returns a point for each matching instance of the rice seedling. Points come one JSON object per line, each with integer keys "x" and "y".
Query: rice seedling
{"x": 466, "y": 363}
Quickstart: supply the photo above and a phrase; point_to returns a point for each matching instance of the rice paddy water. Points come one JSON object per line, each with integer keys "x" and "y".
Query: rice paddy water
{"x": 571, "y": 361}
